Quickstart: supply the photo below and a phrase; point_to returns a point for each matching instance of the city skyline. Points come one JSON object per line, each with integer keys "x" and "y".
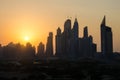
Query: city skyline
{"x": 21, "y": 19}
{"x": 68, "y": 45}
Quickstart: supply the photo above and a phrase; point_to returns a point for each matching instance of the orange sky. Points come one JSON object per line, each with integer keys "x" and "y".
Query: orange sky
{"x": 36, "y": 18}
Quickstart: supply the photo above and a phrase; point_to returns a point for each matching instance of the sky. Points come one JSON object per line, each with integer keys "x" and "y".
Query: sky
{"x": 34, "y": 19}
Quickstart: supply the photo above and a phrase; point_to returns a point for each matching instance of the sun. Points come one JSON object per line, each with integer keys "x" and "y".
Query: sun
{"x": 26, "y": 38}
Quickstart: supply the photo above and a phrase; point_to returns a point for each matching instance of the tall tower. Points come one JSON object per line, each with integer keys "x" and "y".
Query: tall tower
{"x": 1, "y": 51}
{"x": 66, "y": 35}
{"x": 49, "y": 45}
{"x": 87, "y": 48}
{"x": 76, "y": 29}
{"x": 73, "y": 45}
{"x": 67, "y": 25}
{"x": 67, "y": 29}
{"x": 106, "y": 39}
{"x": 86, "y": 32}
{"x": 58, "y": 43}
{"x": 41, "y": 50}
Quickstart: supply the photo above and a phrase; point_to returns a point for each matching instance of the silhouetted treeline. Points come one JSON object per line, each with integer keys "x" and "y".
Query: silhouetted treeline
{"x": 17, "y": 52}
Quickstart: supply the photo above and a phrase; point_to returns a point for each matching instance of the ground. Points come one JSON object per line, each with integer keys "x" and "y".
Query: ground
{"x": 59, "y": 70}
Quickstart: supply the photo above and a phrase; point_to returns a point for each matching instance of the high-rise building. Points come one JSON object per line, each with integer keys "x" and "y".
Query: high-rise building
{"x": 66, "y": 41}
{"x": 70, "y": 46}
{"x": 49, "y": 45}
{"x": 29, "y": 52}
{"x": 76, "y": 29}
{"x": 73, "y": 51}
{"x": 67, "y": 27}
{"x": 87, "y": 48}
{"x": 66, "y": 35}
{"x": 106, "y": 39}
{"x": 41, "y": 50}
{"x": 1, "y": 51}
{"x": 85, "y": 32}
{"x": 58, "y": 43}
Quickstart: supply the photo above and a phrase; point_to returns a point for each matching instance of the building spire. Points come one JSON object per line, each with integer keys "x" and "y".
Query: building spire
{"x": 75, "y": 19}
{"x": 104, "y": 21}
{"x": 85, "y": 32}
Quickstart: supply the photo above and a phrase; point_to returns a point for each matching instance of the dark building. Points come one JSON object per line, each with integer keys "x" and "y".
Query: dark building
{"x": 49, "y": 45}
{"x": 18, "y": 52}
{"x": 66, "y": 36}
{"x": 73, "y": 51}
{"x": 41, "y": 51}
{"x": 58, "y": 42}
{"x": 70, "y": 46}
{"x": 106, "y": 39}
{"x": 9, "y": 51}
{"x": 76, "y": 29}
{"x": 87, "y": 48}
{"x": 29, "y": 52}
{"x": 66, "y": 41}
{"x": 1, "y": 51}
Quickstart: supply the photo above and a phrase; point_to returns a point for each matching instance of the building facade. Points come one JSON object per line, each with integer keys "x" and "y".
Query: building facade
{"x": 106, "y": 39}
{"x": 49, "y": 45}
{"x": 70, "y": 46}
{"x": 41, "y": 51}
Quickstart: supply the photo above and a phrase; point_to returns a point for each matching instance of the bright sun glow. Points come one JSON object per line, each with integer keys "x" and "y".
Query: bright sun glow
{"x": 26, "y": 38}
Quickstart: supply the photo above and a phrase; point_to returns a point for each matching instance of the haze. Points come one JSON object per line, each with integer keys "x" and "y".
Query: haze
{"x": 36, "y": 18}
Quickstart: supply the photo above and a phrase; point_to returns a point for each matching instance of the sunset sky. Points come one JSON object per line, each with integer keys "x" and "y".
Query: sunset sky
{"x": 32, "y": 20}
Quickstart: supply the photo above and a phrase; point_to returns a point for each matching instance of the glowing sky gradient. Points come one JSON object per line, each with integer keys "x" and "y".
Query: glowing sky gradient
{"x": 36, "y": 18}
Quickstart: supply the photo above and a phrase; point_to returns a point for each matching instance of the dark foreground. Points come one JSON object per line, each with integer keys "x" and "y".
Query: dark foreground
{"x": 59, "y": 70}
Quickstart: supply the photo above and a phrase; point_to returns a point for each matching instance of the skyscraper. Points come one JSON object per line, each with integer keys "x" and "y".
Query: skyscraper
{"x": 66, "y": 35}
{"x": 49, "y": 45}
{"x": 106, "y": 39}
{"x": 87, "y": 48}
{"x": 41, "y": 49}
{"x": 74, "y": 40}
{"x": 66, "y": 41}
{"x": 1, "y": 51}
{"x": 85, "y": 32}
{"x": 76, "y": 29}
{"x": 70, "y": 46}
{"x": 30, "y": 51}
{"x": 58, "y": 43}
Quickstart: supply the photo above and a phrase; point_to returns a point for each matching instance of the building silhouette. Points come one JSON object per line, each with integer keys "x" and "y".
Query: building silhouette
{"x": 9, "y": 52}
{"x": 66, "y": 41}
{"x": 106, "y": 39}
{"x": 18, "y": 52}
{"x": 1, "y": 51}
{"x": 70, "y": 46}
{"x": 41, "y": 51}
{"x": 49, "y": 45}
{"x": 58, "y": 43}
{"x": 66, "y": 36}
{"x": 29, "y": 52}
{"x": 87, "y": 48}
{"x": 76, "y": 29}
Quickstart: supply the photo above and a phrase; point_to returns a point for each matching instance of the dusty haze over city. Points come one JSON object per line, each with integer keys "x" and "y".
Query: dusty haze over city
{"x": 32, "y": 20}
